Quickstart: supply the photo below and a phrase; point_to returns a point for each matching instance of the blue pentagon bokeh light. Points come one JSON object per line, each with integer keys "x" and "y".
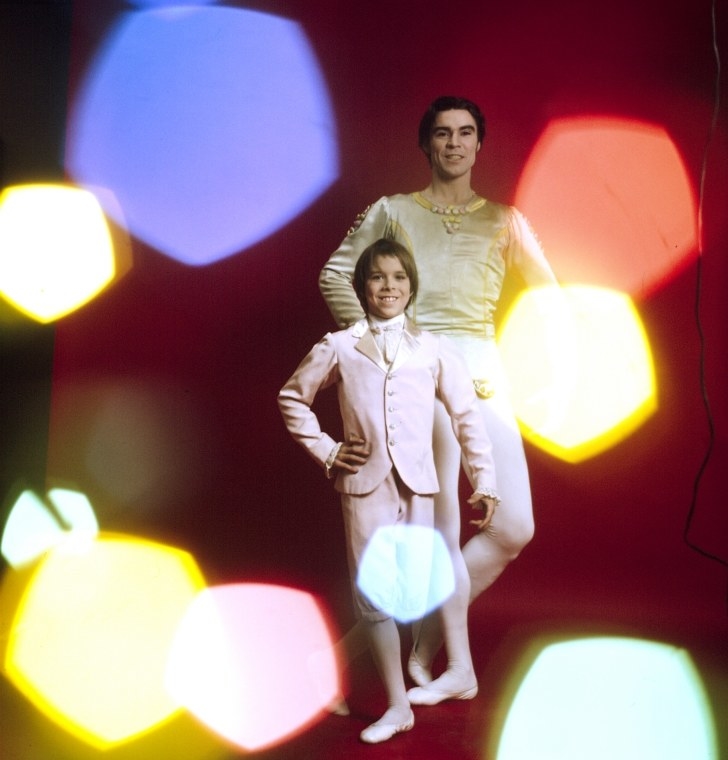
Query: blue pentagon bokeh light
{"x": 212, "y": 126}
{"x": 177, "y": 4}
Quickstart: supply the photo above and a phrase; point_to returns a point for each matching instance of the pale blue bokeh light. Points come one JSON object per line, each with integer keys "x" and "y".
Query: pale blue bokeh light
{"x": 33, "y": 529}
{"x": 603, "y": 698}
{"x": 406, "y": 571}
{"x": 212, "y": 126}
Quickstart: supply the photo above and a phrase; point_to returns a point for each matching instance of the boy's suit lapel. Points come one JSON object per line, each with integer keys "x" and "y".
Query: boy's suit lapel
{"x": 367, "y": 345}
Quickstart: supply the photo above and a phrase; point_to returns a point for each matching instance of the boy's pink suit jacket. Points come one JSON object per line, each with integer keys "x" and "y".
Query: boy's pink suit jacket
{"x": 390, "y": 407}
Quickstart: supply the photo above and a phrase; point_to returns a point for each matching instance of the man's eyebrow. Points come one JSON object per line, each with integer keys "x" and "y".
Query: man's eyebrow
{"x": 457, "y": 129}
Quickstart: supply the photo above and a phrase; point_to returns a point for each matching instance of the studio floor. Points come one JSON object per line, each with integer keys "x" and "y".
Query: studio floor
{"x": 503, "y": 644}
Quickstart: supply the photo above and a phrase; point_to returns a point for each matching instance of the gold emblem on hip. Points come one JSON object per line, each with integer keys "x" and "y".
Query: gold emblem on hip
{"x": 483, "y": 388}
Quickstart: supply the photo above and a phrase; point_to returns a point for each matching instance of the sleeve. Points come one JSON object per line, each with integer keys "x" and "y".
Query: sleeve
{"x": 525, "y": 254}
{"x": 317, "y": 371}
{"x": 455, "y": 389}
{"x": 335, "y": 280}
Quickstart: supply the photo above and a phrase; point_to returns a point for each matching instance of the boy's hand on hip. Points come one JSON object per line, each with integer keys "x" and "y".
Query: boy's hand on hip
{"x": 353, "y": 454}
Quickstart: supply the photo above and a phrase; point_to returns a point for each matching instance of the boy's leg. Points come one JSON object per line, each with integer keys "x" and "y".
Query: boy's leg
{"x": 383, "y": 637}
{"x": 363, "y": 515}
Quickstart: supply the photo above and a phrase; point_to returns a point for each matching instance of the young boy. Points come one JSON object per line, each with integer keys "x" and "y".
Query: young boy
{"x": 388, "y": 375}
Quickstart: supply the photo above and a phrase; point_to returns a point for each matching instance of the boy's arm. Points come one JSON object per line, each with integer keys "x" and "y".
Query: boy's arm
{"x": 487, "y": 504}
{"x": 455, "y": 389}
{"x": 316, "y": 372}
{"x": 349, "y": 456}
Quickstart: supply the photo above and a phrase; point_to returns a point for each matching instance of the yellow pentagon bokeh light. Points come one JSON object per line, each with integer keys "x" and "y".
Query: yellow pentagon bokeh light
{"x": 90, "y": 637}
{"x": 579, "y": 367}
{"x": 606, "y": 697}
{"x": 56, "y": 249}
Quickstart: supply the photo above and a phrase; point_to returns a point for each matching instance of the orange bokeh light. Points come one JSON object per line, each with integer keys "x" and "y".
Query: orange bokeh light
{"x": 611, "y": 201}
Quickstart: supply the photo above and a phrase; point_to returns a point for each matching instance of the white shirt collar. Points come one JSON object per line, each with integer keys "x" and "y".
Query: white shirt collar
{"x": 378, "y": 322}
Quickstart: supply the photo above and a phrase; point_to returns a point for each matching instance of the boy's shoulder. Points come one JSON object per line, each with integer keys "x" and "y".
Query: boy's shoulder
{"x": 354, "y": 330}
{"x": 421, "y": 334}
{"x": 440, "y": 344}
{"x": 345, "y": 334}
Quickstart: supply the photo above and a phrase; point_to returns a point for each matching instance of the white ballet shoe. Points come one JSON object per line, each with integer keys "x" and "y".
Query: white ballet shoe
{"x": 338, "y": 706}
{"x": 434, "y": 693}
{"x": 319, "y": 665}
{"x": 418, "y": 672}
{"x": 382, "y": 732}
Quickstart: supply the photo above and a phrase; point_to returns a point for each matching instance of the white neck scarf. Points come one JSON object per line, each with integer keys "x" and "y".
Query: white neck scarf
{"x": 387, "y": 334}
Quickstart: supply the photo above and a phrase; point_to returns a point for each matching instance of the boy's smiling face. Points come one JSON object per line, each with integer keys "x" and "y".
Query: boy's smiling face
{"x": 387, "y": 288}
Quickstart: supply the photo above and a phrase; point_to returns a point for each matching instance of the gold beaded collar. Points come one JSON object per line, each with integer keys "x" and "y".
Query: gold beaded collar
{"x": 451, "y": 215}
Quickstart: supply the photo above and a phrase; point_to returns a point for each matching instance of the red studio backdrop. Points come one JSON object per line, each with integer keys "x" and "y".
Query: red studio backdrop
{"x": 163, "y": 403}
